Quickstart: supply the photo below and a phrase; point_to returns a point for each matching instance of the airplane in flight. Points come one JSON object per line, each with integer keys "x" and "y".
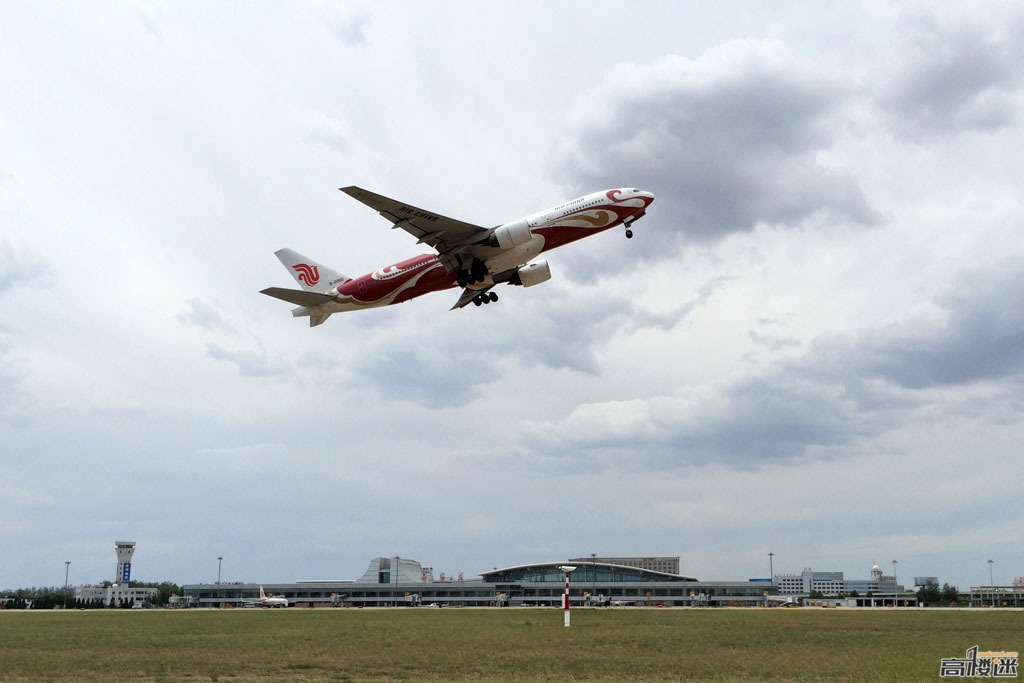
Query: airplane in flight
{"x": 471, "y": 257}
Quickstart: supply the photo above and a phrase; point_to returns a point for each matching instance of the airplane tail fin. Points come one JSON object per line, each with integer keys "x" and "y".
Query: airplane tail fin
{"x": 263, "y": 596}
{"x": 311, "y": 276}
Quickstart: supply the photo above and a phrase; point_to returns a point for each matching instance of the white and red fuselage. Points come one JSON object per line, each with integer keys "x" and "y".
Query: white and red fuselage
{"x": 470, "y": 257}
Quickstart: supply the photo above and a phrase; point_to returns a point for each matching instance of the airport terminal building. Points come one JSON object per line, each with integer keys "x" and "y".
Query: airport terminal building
{"x": 395, "y": 581}
{"x": 833, "y": 583}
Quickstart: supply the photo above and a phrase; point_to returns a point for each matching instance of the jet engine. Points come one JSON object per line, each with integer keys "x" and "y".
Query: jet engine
{"x": 510, "y": 235}
{"x": 532, "y": 274}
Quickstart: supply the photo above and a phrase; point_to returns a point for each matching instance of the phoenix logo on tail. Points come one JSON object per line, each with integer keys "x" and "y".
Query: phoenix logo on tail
{"x": 467, "y": 256}
{"x": 307, "y": 274}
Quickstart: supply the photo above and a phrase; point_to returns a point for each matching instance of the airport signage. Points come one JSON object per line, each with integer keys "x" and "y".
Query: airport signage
{"x": 126, "y": 572}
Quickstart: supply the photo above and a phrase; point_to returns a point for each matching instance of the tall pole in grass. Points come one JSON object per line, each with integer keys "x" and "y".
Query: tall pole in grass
{"x": 991, "y": 584}
{"x": 565, "y": 598}
{"x": 67, "y": 568}
{"x": 895, "y": 600}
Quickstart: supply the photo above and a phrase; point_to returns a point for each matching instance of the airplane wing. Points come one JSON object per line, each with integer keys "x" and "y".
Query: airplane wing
{"x": 467, "y": 297}
{"x": 444, "y": 234}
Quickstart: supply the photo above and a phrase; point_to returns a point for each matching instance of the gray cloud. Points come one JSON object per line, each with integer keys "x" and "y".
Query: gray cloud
{"x": 776, "y": 416}
{"x": 557, "y": 326}
{"x": 347, "y": 23}
{"x": 959, "y": 74}
{"x": 13, "y": 409}
{"x": 202, "y": 314}
{"x": 842, "y": 390}
{"x": 555, "y": 331}
{"x": 16, "y": 270}
{"x": 250, "y": 363}
{"x": 149, "y": 24}
{"x": 426, "y": 372}
{"x": 770, "y": 342}
{"x": 726, "y": 142}
{"x": 563, "y": 329}
{"x": 982, "y": 336}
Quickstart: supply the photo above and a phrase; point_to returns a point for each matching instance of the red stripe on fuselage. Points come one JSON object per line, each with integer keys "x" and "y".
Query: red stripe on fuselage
{"x": 433, "y": 278}
{"x": 557, "y": 235}
{"x": 403, "y": 281}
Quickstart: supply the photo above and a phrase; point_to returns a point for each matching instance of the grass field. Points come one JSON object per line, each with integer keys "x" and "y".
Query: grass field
{"x": 496, "y": 645}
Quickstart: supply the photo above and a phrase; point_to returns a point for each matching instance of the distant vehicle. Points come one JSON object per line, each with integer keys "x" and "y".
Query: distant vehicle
{"x": 468, "y": 256}
{"x": 266, "y": 601}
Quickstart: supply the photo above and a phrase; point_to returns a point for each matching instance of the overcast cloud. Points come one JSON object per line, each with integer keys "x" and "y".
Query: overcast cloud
{"x": 813, "y": 346}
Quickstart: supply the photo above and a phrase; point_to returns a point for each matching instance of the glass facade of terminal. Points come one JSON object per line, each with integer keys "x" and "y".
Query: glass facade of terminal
{"x": 589, "y": 571}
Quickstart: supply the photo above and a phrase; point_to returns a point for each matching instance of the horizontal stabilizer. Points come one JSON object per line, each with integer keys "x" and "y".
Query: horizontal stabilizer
{"x": 297, "y": 296}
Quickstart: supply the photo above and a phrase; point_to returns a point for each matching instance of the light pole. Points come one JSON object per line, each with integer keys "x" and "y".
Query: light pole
{"x": 991, "y": 583}
{"x": 895, "y": 600}
{"x": 593, "y": 576}
{"x": 67, "y": 568}
{"x": 565, "y": 598}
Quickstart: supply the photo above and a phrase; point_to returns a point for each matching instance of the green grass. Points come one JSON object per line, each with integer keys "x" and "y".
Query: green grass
{"x": 496, "y": 645}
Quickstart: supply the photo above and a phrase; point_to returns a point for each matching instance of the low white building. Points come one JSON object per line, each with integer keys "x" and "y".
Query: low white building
{"x": 115, "y": 595}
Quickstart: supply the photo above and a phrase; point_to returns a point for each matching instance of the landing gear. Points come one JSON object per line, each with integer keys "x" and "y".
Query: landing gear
{"x": 484, "y": 298}
{"x": 477, "y": 272}
{"x": 466, "y": 277}
{"x": 630, "y": 221}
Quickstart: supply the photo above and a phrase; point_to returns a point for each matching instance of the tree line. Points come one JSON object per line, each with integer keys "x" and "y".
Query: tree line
{"x": 933, "y": 596}
{"x": 60, "y": 597}
{"x": 927, "y": 596}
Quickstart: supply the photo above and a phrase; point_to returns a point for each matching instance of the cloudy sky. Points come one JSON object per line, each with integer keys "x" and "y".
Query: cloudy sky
{"x": 814, "y": 345}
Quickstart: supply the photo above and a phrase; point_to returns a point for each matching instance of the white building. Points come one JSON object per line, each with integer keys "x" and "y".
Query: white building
{"x": 115, "y": 595}
{"x": 833, "y": 583}
{"x": 878, "y": 583}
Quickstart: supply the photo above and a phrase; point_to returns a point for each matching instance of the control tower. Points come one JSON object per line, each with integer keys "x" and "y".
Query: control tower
{"x": 125, "y": 550}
